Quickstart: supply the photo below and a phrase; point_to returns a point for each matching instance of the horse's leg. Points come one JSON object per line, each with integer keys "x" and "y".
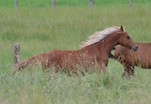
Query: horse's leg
{"x": 132, "y": 71}
{"x": 128, "y": 71}
{"x": 102, "y": 67}
{"x": 129, "y": 68}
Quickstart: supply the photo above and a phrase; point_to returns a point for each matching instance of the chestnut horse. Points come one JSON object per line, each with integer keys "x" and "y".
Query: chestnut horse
{"x": 93, "y": 52}
{"x": 130, "y": 59}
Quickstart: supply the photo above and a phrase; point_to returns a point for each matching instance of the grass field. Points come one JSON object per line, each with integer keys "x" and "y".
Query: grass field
{"x": 40, "y": 30}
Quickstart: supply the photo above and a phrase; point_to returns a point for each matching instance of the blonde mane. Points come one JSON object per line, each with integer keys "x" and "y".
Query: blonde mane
{"x": 99, "y": 35}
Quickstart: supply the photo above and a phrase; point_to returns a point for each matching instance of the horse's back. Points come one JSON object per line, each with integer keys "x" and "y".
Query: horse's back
{"x": 51, "y": 59}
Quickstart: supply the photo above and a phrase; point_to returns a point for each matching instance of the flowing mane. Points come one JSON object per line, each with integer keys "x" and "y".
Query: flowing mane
{"x": 99, "y": 35}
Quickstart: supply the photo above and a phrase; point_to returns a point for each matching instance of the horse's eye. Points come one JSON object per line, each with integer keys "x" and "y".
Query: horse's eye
{"x": 128, "y": 37}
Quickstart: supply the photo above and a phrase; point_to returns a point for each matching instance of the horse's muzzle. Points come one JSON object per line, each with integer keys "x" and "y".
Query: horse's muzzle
{"x": 134, "y": 48}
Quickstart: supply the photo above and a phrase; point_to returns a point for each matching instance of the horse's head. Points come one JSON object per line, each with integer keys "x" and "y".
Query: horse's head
{"x": 126, "y": 41}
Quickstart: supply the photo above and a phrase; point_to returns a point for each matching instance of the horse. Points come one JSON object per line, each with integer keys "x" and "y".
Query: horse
{"x": 94, "y": 52}
{"x": 129, "y": 59}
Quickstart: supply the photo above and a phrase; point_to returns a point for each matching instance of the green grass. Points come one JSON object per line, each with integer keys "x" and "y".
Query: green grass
{"x": 40, "y": 30}
{"x": 68, "y": 3}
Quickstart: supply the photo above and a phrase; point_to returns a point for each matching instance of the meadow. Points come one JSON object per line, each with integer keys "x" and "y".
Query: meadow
{"x": 39, "y": 29}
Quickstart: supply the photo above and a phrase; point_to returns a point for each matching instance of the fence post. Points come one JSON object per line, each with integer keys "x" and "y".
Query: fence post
{"x": 53, "y": 4}
{"x": 16, "y": 3}
{"x": 131, "y": 3}
{"x": 16, "y": 53}
{"x": 91, "y": 3}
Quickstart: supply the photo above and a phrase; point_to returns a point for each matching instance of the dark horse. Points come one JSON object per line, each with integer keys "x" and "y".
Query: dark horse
{"x": 130, "y": 59}
{"x": 94, "y": 52}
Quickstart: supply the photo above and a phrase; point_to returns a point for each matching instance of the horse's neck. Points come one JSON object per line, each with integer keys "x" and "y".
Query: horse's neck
{"x": 104, "y": 46}
{"x": 92, "y": 49}
{"x": 109, "y": 43}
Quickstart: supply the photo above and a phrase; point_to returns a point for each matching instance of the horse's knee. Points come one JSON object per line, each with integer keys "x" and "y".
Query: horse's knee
{"x": 129, "y": 71}
{"x": 103, "y": 68}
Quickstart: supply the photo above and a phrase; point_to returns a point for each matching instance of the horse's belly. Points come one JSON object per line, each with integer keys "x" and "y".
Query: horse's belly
{"x": 143, "y": 63}
{"x": 74, "y": 62}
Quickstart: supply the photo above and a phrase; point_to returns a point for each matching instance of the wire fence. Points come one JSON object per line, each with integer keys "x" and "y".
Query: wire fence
{"x": 91, "y": 3}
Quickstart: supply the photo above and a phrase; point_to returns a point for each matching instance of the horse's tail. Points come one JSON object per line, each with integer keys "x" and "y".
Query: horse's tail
{"x": 31, "y": 62}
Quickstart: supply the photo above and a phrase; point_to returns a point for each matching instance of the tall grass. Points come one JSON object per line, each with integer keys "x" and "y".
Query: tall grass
{"x": 41, "y": 30}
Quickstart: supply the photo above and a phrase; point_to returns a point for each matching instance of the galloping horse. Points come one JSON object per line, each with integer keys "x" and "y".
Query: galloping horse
{"x": 130, "y": 59}
{"x": 93, "y": 52}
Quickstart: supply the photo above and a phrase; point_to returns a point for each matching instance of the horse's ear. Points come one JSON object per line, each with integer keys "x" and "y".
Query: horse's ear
{"x": 122, "y": 28}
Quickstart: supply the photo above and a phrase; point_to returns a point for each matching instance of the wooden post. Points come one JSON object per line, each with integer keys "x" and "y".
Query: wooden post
{"x": 131, "y": 3}
{"x": 91, "y": 3}
{"x": 53, "y": 4}
{"x": 16, "y": 53}
{"x": 16, "y": 3}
